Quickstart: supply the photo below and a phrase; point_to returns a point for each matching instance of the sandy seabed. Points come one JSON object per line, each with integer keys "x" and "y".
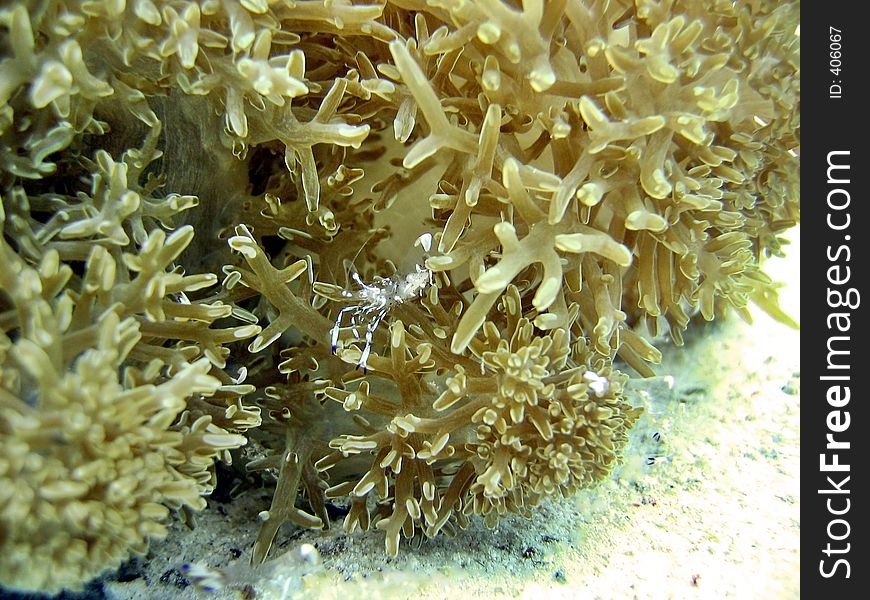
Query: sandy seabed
{"x": 715, "y": 515}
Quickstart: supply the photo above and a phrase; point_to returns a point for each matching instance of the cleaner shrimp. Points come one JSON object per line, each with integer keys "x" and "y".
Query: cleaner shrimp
{"x": 372, "y": 302}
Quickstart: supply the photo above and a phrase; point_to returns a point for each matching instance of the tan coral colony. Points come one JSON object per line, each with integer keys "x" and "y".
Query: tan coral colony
{"x": 192, "y": 191}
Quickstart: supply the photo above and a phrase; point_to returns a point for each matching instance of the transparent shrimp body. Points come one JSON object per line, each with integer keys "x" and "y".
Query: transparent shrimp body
{"x": 372, "y": 302}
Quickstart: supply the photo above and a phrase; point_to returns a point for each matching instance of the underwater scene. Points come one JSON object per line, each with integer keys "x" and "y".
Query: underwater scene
{"x": 399, "y": 299}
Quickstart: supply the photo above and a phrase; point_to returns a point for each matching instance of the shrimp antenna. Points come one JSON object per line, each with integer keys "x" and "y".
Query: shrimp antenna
{"x": 352, "y": 261}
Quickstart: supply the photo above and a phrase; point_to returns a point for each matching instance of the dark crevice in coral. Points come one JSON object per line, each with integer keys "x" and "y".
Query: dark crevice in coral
{"x": 264, "y": 163}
